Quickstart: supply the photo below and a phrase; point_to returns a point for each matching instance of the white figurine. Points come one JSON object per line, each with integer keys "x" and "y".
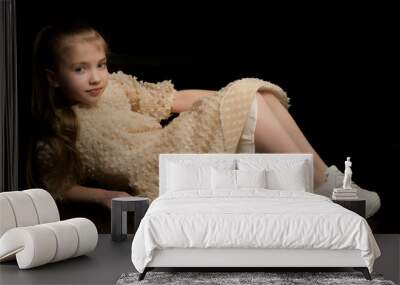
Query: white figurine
{"x": 347, "y": 174}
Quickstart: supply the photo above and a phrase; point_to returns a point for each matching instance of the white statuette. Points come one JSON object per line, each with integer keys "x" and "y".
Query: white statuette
{"x": 347, "y": 174}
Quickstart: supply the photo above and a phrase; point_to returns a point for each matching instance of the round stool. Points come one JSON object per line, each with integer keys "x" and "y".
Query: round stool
{"x": 119, "y": 208}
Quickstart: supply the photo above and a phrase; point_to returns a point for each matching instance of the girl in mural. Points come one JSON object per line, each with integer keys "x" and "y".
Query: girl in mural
{"x": 96, "y": 126}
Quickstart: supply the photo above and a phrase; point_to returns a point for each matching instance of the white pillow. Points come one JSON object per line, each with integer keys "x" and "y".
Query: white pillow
{"x": 288, "y": 174}
{"x": 185, "y": 177}
{"x": 223, "y": 179}
{"x": 251, "y": 178}
{"x": 291, "y": 180}
{"x": 229, "y": 179}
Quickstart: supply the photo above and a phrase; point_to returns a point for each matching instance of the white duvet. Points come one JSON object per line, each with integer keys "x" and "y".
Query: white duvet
{"x": 251, "y": 218}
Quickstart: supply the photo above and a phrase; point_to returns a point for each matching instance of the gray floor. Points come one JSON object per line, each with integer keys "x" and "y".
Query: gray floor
{"x": 111, "y": 259}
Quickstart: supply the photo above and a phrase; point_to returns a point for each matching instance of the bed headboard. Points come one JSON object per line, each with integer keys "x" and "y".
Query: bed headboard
{"x": 210, "y": 158}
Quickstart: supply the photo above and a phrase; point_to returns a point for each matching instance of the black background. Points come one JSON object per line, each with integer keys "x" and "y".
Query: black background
{"x": 339, "y": 66}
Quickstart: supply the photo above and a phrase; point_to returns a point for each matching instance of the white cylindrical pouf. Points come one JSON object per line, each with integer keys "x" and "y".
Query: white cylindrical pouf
{"x": 7, "y": 218}
{"x": 45, "y": 205}
{"x": 34, "y": 245}
{"x": 87, "y": 234}
{"x": 23, "y": 208}
{"x": 31, "y": 231}
{"x": 40, "y": 244}
{"x": 67, "y": 239}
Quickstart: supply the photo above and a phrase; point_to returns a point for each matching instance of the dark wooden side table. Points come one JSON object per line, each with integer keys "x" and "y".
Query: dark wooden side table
{"x": 357, "y": 206}
{"x": 119, "y": 208}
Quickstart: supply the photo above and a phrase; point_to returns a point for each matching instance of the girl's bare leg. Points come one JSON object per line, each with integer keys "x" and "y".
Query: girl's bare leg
{"x": 270, "y": 135}
{"x": 293, "y": 130}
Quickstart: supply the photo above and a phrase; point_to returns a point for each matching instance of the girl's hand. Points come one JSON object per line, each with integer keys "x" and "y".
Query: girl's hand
{"x": 106, "y": 200}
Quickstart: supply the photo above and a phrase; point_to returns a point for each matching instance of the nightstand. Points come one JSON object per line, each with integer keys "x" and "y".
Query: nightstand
{"x": 119, "y": 208}
{"x": 357, "y": 206}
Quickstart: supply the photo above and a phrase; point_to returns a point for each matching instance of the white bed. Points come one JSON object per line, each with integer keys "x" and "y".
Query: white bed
{"x": 249, "y": 227}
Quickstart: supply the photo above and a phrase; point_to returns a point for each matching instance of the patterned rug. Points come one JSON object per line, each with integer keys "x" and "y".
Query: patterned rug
{"x": 269, "y": 278}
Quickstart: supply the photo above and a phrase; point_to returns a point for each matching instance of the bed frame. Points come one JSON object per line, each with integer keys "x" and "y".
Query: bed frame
{"x": 245, "y": 259}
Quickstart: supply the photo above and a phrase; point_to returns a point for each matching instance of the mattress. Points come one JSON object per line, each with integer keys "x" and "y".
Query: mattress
{"x": 250, "y": 218}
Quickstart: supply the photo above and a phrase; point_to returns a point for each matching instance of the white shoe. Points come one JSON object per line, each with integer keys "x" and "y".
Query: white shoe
{"x": 334, "y": 179}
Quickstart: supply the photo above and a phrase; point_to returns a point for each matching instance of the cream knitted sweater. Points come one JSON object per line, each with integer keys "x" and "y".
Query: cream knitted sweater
{"x": 120, "y": 138}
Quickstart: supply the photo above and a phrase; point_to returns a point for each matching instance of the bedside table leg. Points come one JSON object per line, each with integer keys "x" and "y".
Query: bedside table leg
{"x": 124, "y": 224}
{"x": 117, "y": 220}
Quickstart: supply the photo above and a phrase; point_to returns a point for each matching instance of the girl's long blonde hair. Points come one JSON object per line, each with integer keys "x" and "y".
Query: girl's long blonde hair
{"x": 53, "y": 120}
